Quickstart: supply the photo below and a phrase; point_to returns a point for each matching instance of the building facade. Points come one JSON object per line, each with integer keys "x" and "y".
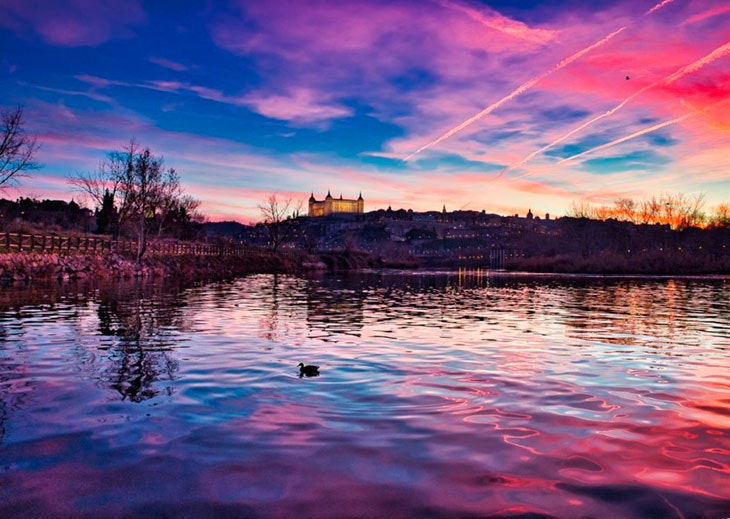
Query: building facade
{"x": 331, "y": 205}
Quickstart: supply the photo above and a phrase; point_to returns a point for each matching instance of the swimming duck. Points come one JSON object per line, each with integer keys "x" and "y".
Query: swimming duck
{"x": 308, "y": 370}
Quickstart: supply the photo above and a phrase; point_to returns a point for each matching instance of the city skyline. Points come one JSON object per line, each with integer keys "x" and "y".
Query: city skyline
{"x": 494, "y": 105}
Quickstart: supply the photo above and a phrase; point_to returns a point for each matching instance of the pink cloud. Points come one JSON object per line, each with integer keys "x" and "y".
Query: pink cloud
{"x": 493, "y": 20}
{"x": 361, "y": 47}
{"x": 300, "y": 105}
{"x": 175, "y": 87}
{"x": 96, "y": 81}
{"x": 74, "y": 23}
{"x": 709, "y": 13}
{"x": 166, "y": 63}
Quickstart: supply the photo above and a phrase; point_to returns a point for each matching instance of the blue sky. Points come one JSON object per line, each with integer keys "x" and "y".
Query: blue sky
{"x": 416, "y": 104}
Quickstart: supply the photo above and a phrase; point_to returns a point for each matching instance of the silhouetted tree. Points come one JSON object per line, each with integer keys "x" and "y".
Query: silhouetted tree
{"x": 106, "y": 217}
{"x": 276, "y": 213}
{"x": 17, "y": 148}
{"x": 177, "y": 214}
{"x": 721, "y": 217}
{"x": 140, "y": 186}
{"x": 680, "y": 211}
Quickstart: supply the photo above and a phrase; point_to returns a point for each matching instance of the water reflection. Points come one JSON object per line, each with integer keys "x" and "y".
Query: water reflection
{"x": 126, "y": 330}
{"x": 143, "y": 323}
{"x": 441, "y": 394}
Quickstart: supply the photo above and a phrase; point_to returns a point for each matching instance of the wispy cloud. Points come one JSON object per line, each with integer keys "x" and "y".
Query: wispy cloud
{"x": 498, "y": 22}
{"x": 91, "y": 94}
{"x": 641, "y": 132}
{"x": 300, "y": 105}
{"x": 166, "y": 63}
{"x": 74, "y": 23}
{"x": 633, "y": 135}
{"x": 162, "y": 85}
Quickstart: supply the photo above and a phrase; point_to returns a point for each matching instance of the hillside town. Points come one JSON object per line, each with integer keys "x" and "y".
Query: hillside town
{"x": 467, "y": 238}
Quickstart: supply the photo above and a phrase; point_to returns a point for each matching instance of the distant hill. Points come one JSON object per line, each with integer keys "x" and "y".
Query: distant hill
{"x": 228, "y": 229}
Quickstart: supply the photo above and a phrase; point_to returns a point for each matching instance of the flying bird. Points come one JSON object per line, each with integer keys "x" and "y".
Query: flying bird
{"x": 627, "y": 78}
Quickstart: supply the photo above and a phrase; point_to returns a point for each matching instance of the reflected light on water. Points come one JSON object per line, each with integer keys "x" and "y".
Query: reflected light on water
{"x": 440, "y": 394}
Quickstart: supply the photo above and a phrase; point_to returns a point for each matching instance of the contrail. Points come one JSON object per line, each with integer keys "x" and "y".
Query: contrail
{"x": 692, "y": 67}
{"x": 527, "y": 85}
{"x": 627, "y": 137}
{"x": 657, "y": 6}
{"x": 642, "y": 132}
{"x": 706, "y": 14}
{"x": 517, "y": 91}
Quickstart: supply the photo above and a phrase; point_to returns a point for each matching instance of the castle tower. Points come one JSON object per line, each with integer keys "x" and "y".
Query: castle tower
{"x": 312, "y": 201}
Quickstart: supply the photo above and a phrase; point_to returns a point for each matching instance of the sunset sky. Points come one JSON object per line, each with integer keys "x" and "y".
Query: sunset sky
{"x": 499, "y": 105}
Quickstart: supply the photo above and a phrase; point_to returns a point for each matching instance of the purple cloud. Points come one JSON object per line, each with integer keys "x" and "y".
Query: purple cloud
{"x": 74, "y": 23}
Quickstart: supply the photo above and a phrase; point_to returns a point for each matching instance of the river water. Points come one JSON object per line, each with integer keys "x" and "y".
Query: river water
{"x": 439, "y": 395}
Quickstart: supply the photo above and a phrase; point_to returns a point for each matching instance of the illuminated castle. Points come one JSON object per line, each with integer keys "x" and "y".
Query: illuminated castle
{"x": 331, "y": 205}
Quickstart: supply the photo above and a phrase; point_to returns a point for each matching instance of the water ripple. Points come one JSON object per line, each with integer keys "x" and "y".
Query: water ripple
{"x": 439, "y": 395}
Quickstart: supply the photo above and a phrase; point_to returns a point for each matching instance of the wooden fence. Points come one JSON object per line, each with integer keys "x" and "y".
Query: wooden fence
{"x": 15, "y": 242}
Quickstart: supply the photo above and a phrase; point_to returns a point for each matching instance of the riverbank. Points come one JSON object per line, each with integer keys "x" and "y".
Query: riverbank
{"x": 27, "y": 266}
{"x": 649, "y": 263}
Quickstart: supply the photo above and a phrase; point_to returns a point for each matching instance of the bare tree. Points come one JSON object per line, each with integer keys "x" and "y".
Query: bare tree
{"x": 689, "y": 211}
{"x": 676, "y": 210}
{"x": 276, "y": 213}
{"x": 650, "y": 211}
{"x": 581, "y": 209}
{"x": 142, "y": 189}
{"x": 109, "y": 181}
{"x": 721, "y": 216}
{"x": 625, "y": 209}
{"x": 17, "y": 148}
{"x": 147, "y": 187}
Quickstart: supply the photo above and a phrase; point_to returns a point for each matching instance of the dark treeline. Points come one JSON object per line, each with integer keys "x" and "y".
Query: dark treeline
{"x": 611, "y": 246}
{"x": 31, "y": 216}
